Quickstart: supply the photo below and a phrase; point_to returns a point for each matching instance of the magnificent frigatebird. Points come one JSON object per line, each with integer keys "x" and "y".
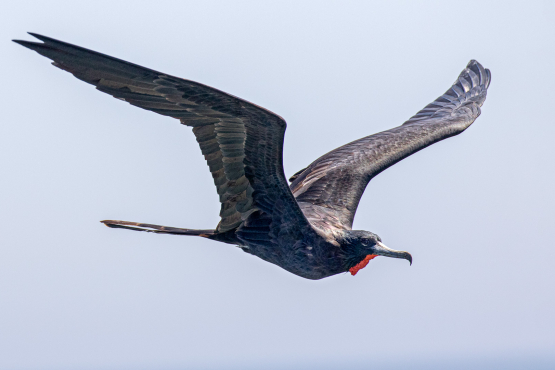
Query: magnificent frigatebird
{"x": 304, "y": 227}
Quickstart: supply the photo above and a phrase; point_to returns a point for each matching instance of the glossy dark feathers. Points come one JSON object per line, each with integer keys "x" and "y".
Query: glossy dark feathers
{"x": 241, "y": 142}
{"x": 330, "y": 189}
{"x": 296, "y": 226}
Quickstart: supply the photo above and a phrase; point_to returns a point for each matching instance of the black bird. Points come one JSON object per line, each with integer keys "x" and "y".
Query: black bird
{"x": 304, "y": 227}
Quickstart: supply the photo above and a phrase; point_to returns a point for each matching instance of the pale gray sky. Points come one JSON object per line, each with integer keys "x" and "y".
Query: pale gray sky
{"x": 476, "y": 211}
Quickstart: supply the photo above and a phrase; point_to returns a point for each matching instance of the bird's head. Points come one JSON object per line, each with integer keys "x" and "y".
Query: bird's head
{"x": 362, "y": 246}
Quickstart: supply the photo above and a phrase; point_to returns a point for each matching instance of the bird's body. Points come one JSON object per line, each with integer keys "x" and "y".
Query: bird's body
{"x": 305, "y": 228}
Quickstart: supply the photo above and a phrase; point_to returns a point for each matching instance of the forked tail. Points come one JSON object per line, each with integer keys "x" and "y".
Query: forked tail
{"x": 206, "y": 233}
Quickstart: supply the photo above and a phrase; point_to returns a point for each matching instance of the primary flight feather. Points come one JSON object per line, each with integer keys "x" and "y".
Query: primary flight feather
{"x": 304, "y": 227}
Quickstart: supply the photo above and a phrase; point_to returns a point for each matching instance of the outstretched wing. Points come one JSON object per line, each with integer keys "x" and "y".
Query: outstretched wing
{"x": 242, "y": 142}
{"x": 329, "y": 190}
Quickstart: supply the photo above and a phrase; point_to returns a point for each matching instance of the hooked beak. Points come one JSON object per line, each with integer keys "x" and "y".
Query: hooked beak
{"x": 381, "y": 250}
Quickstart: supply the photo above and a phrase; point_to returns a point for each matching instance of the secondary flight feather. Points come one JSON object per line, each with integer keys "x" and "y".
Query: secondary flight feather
{"x": 304, "y": 227}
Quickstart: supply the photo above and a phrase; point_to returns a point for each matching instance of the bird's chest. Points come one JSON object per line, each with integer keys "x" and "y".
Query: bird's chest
{"x": 311, "y": 260}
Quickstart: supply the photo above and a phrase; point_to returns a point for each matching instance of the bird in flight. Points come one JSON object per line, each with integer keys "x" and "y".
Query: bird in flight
{"x": 305, "y": 227}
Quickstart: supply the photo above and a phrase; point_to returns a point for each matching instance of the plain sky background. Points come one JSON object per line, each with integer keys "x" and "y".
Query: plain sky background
{"x": 476, "y": 211}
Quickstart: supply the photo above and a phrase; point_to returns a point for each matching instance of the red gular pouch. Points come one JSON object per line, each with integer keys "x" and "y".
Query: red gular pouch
{"x": 362, "y": 264}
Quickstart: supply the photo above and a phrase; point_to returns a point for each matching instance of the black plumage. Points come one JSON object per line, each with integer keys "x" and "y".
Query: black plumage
{"x": 304, "y": 228}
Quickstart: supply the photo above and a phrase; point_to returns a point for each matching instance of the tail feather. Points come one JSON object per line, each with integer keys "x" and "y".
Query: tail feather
{"x": 137, "y": 226}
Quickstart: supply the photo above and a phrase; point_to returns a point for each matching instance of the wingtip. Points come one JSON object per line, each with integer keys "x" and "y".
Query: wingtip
{"x": 27, "y": 44}
{"x": 478, "y": 68}
{"x": 474, "y": 62}
{"x": 31, "y": 44}
{"x": 39, "y": 36}
{"x": 471, "y": 63}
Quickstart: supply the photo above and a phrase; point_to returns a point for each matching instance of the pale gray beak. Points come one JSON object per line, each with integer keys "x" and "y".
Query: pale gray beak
{"x": 381, "y": 250}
